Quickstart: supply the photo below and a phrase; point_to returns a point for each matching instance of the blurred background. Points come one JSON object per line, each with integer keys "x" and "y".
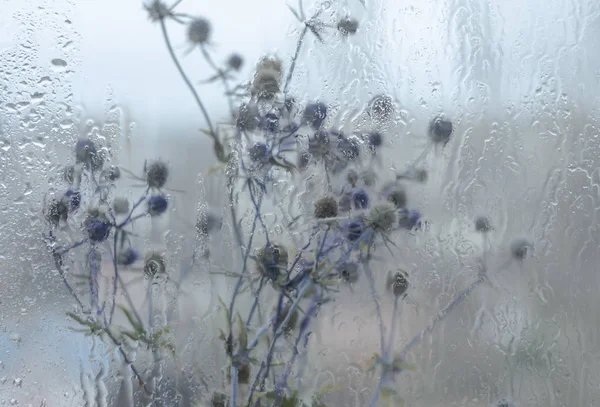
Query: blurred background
{"x": 520, "y": 80}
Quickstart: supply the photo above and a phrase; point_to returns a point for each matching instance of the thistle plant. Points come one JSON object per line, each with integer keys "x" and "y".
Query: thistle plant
{"x": 332, "y": 237}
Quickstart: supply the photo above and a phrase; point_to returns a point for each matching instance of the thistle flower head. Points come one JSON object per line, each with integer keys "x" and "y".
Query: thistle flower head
{"x": 272, "y": 260}
{"x": 157, "y": 10}
{"x": 270, "y": 122}
{"x": 396, "y": 195}
{"x": 397, "y": 283}
{"x": 154, "y": 264}
{"x": 326, "y": 207}
{"x": 120, "y": 205}
{"x": 347, "y": 26}
{"x": 98, "y": 229}
{"x": 199, "y": 31}
{"x": 374, "y": 140}
{"x": 248, "y": 117}
{"x": 219, "y": 400}
{"x": 520, "y": 248}
{"x": 382, "y": 217}
{"x": 259, "y": 152}
{"x": 483, "y": 224}
{"x": 87, "y": 153}
{"x": 128, "y": 256}
{"x": 360, "y": 198}
{"x": 57, "y": 211}
{"x": 354, "y": 229}
{"x": 267, "y": 79}
{"x": 235, "y": 61}
{"x": 348, "y": 148}
{"x": 348, "y": 272}
{"x": 440, "y": 130}
{"x": 157, "y": 204}
{"x": 315, "y": 114}
{"x": 73, "y": 199}
{"x": 409, "y": 219}
{"x": 157, "y": 173}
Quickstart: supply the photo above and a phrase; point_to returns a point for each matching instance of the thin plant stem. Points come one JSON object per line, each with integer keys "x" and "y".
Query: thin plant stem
{"x": 219, "y": 151}
{"x": 288, "y": 79}
{"x": 221, "y": 75}
{"x": 371, "y": 279}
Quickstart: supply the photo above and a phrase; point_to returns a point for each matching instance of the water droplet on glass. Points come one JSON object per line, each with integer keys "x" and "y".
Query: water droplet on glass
{"x": 15, "y": 337}
{"x": 59, "y": 64}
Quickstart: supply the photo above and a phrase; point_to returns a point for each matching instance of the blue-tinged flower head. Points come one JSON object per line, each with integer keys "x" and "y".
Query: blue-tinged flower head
{"x": 409, "y": 219}
{"x": 440, "y": 130}
{"x": 127, "y": 256}
{"x": 73, "y": 198}
{"x": 483, "y": 224}
{"x": 326, "y": 207}
{"x": 259, "y": 152}
{"x": 315, "y": 114}
{"x": 157, "y": 204}
{"x": 354, "y": 229}
{"x": 199, "y": 31}
{"x": 360, "y": 198}
{"x": 270, "y": 122}
{"x": 98, "y": 229}
{"x": 87, "y": 153}
{"x": 157, "y": 173}
{"x": 235, "y": 61}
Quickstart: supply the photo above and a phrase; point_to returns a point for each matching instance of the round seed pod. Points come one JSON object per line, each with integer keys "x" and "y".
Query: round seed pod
{"x": 157, "y": 173}
{"x": 127, "y": 256}
{"x": 98, "y": 229}
{"x": 397, "y": 282}
{"x": 244, "y": 373}
{"x": 381, "y": 108}
{"x": 120, "y": 205}
{"x": 354, "y": 230}
{"x": 315, "y": 114}
{"x": 397, "y": 196}
{"x": 235, "y": 61}
{"x": 520, "y": 248}
{"x": 199, "y": 31}
{"x": 382, "y": 217}
{"x": 272, "y": 260}
{"x": 157, "y": 205}
{"x": 483, "y": 224}
{"x": 154, "y": 264}
{"x": 360, "y": 199}
{"x": 87, "y": 153}
{"x": 409, "y": 219}
{"x": 326, "y": 207}
{"x": 440, "y": 130}
{"x": 219, "y": 400}
{"x": 347, "y": 26}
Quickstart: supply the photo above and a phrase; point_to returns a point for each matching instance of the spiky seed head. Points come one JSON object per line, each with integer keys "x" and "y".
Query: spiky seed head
{"x": 219, "y": 400}
{"x": 235, "y": 61}
{"x": 315, "y": 114}
{"x": 369, "y": 177}
{"x": 98, "y": 229}
{"x": 120, "y": 205}
{"x": 87, "y": 153}
{"x": 397, "y": 196}
{"x": 244, "y": 373}
{"x": 382, "y": 217}
{"x": 248, "y": 117}
{"x": 112, "y": 173}
{"x": 520, "y": 248}
{"x": 157, "y": 173}
{"x": 352, "y": 177}
{"x": 267, "y": 79}
{"x": 154, "y": 264}
{"x": 57, "y": 211}
{"x": 347, "y": 26}
{"x": 397, "y": 282}
{"x": 483, "y": 224}
{"x": 157, "y": 10}
{"x": 272, "y": 260}
{"x": 199, "y": 31}
{"x": 348, "y": 272}
{"x": 326, "y": 207}
{"x": 440, "y": 130}
{"x": 157, "y": 204}
{"x": 360, "y": 198}
{"x": 127, "y": 256}
{"x": 258, "y": 152}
